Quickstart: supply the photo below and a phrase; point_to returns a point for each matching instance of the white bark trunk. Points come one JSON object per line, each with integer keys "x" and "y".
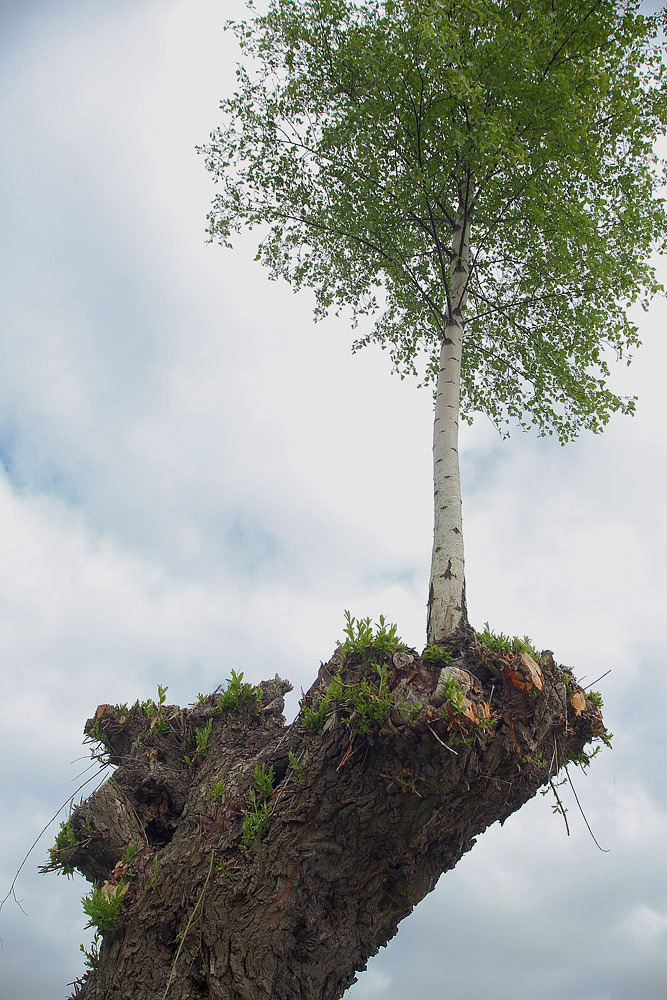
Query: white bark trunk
{"x": 446, "y": 604}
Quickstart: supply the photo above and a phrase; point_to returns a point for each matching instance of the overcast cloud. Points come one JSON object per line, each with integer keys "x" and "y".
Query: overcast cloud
{"x": 194, "y": 477}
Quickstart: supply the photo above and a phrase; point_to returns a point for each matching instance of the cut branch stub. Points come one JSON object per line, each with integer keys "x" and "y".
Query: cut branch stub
{"x": 525, "y": 673}
{"x": 461, "y": 692}
{"x": 274, "y": 863}
{"x": 578, "y": 702}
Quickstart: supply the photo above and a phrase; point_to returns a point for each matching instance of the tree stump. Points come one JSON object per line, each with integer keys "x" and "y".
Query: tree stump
{"x": 257, "y": 860}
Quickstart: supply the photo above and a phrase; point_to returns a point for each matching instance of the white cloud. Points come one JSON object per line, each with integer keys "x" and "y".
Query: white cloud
{"x": 637, "y": 816}
{"x": 645, "y": 928}
{"x": 198, "y": 479}
{"x": 372, "y": 984}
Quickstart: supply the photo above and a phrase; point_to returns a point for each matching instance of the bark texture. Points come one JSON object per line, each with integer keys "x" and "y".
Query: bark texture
{"x": 446, "y": 602}
{"x": 379, "y": 786}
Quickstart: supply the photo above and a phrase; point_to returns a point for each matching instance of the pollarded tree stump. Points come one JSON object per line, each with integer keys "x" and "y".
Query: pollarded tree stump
{"x": 257, "y": 860}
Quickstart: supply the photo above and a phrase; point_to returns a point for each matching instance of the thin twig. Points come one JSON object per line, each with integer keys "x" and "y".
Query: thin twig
{"x": 561, "y": 807}
{"x": 451, "y": 750}
{"x": 605, "y": 850}
{"x": 598, "y": 678}
{"x": 69, "y": 799}
{"x": 347, "y": 755}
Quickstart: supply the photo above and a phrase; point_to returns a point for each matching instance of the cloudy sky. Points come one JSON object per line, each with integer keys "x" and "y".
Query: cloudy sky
{"x": 194, "y": 477}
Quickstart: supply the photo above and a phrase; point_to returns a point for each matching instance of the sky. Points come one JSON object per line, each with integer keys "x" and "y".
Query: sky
{"x": 194, "y": 477}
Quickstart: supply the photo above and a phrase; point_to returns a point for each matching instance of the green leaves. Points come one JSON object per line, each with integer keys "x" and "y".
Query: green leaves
{"x": 202, "y": 737}
{"x": 256, "y": 820}
{"x": 360, "y": 132}
{"x": 102, "y": 905}
{"x": 502, "y": 643}
{"x": 363, "y": 638}
{"x": 65, "y": 840}
{"x": 238, "y": 695}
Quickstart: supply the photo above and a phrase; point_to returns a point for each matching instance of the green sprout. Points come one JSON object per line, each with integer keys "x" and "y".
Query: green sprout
{"x": 596, "y": 698}
{"x": 202, "y": 736}
{"x": 155, "y": 712}
{"x": 296, "y": 766}
{"x": 256, "y": 821}
{"x": 102, "y": 905}
{"x": 453, "y": 692}
{"x": 437, "y": 654}
{"x": 334, "y": 695}
{"x": 361, "y": 637}
{"x": 239, "y": 695}
{"x": 501, "y": 643}
{"x": 130, "y": 852}
{"x": 364, "y": 706}
{"x": 91, "y": 958}
{"x": 65, "y": 840}
{"x": 370, "y": 702}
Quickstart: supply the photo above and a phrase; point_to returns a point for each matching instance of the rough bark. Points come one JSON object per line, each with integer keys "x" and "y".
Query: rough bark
{"x": 446, "y": 602}
{"x": 379, "y": 786}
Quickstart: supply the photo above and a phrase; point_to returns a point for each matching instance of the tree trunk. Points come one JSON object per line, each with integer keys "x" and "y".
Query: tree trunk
{"x": 245, "y": 888}
{"x": 446, "y": 600}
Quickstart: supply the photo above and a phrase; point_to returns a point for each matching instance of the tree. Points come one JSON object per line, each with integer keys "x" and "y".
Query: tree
{"x": 480, "y": 176}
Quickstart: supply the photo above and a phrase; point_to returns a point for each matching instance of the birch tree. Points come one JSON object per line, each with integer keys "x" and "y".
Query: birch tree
{"x": 475, "y": 184}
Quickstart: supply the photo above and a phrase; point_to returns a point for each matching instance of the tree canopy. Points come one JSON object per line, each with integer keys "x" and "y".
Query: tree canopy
{"x": 360, "y": 132}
